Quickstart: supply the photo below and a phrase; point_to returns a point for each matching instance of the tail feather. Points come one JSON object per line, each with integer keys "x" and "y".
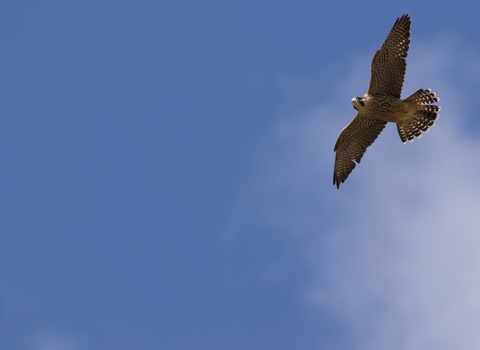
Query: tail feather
{"x": 423, "y": 97}
{"x": 421, "y": 117}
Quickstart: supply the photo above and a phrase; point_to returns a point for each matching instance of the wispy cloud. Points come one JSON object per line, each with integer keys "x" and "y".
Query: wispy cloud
{"x": 394, "y": 252}
{"x": 49, "y": 341}
{"x": 21, "y": 321}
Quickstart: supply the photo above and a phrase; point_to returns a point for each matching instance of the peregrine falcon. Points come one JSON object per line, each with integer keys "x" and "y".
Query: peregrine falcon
{"x": 382, "y": 104}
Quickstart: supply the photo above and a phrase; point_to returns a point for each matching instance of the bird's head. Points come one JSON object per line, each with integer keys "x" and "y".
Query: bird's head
{"x": 358, "y": 102}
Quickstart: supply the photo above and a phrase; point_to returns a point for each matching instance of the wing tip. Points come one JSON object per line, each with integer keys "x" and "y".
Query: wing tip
{"x": 336, "y": 183}
{"x": 404, "y": 18}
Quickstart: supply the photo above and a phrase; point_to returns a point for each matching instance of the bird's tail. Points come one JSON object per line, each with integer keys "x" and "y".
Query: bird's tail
{"x": 420, "y": 114}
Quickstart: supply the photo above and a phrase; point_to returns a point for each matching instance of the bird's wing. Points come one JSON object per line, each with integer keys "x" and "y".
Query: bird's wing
{"x": 387, "y": 71}
{"x": 352, "y": 144}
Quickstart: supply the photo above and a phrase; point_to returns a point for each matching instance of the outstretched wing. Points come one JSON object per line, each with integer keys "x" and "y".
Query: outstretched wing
{"x": 387, "y": 71}
{"x": 352, "y": 144}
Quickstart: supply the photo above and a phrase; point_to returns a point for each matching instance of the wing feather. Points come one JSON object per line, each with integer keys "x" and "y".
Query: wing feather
{"x": 352, "y": 143}
{"x": 387, "y": 71}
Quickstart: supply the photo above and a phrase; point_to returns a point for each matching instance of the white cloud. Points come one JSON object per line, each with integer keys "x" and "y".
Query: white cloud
{"x": 48, "y": 341}
{"x": 396, "y": 251}
{"x": 19, "y": 316}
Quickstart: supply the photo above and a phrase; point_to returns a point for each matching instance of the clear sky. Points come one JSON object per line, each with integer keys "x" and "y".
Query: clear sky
{"x": 166, "y": 178}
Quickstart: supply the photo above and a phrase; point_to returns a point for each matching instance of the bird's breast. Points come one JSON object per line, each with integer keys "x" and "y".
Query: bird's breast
{"x": 386, "y": 108}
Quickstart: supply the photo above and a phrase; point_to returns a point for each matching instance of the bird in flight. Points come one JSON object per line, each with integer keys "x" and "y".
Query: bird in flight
{"x": 382, "y": 104}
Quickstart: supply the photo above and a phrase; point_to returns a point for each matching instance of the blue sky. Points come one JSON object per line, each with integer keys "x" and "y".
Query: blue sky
{"x": 166, "y": 178}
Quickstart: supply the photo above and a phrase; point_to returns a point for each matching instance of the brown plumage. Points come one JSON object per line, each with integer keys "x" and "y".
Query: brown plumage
{"x": 382, "y": 104}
